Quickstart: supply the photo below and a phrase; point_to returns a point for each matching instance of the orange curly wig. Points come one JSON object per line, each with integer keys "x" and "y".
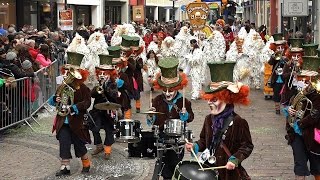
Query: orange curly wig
{"x": 242, "y": 97}
{"x": 112, "y": 72}
{"x": 84, "y": 73}
{"x": 181, "y": 85}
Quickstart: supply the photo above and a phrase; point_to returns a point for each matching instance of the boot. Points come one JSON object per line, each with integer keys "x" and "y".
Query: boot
{"x": 127, "y": 114}
{"x": 277, "y": 107}
{"x": 317, "y": 177}
{"x": 138, "y": 106}
{"x": 99, "y": 149}
{"x": 64, "y": 171}
{"x": 85, "y": 165}
{"x": 300, "y": 178}
{"x": 107, "y": 152}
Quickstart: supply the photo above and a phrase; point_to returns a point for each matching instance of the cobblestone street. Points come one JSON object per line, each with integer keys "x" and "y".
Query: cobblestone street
{"x": 34, "y": 155}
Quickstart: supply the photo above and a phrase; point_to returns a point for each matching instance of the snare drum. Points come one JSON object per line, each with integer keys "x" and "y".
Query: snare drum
{"x": 190, "y": 170}
{"x": 173, "y": 127}
{"x": 128, "y": 130}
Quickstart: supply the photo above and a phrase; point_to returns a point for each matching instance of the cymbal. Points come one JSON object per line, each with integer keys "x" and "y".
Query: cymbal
{"x": 151, "y": 112}
{"x": 107, "y": 106}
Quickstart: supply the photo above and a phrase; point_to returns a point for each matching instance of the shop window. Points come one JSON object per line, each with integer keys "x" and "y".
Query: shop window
{"x": 84, "y": 13}
{"x": 112, "y": 14}
{"x": 7, "y": 12}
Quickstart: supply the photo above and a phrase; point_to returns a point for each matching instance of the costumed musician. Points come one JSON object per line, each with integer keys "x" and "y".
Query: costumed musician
{"x": 72, "y": 100}
{"x": 303, "y": 130}
{"x": 277, "y": 80}
{"x": 170, "y": 103}
{"x": 120, "y": 61}
{"x": 290, "y": 73}
{"x": 135, "y": 65}
{"x": 106, "y": 91}
{"x": 225, "y": 138}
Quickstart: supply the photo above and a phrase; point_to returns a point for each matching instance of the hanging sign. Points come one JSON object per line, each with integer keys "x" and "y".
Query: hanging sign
{"x": 198, "y": 14}
{"x": 138, "y": 13}
{"x": 66, "y": 20}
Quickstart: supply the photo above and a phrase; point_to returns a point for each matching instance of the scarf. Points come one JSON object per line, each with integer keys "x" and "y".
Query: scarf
{"x": 217, "y": 121}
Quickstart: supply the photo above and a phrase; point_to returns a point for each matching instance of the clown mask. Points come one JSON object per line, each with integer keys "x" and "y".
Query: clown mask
{"x": 216, "y": 106}
{"x": 169, "y": 94}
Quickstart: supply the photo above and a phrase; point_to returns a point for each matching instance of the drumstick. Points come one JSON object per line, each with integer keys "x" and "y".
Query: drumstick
{"x": 150, "y": 99}
{"x": 195, "y": 156}
{"x": 183, "y": 98}
{"x": 213, "y": 168}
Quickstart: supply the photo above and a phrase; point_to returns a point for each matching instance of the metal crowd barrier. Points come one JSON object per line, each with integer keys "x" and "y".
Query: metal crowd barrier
{"x": 26, "y": 96}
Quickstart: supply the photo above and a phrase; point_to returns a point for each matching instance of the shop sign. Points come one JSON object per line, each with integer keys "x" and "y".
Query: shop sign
{"x": 138, "y": 13}
{"x": 214, "y": 5}
{"x": 295, "y": 8}
{"x": 65, "y": 20}
{"x": 197, "y": 13}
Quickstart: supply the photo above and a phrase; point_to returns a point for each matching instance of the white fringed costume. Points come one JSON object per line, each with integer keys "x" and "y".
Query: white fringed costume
{"x": 78, "y": 45}
{"x": 167, "y": 47}
{"x": 182, "y": 48}
{"x": 195, "y": 60}
{"x": 217, "y": 48}
{"x": 241, "y": 71}
{"x": 252, "y": 48}
{"x": 97, "y": 45}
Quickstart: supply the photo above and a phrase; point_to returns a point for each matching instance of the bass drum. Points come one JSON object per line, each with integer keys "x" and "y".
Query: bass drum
{"x": 186, "y": 170}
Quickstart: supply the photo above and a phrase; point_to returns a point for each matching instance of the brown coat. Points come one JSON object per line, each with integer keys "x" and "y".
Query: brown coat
{"x": 138, "y": 74}
{"x": 124, "y": 99}
{"x": 82, "y": 100}
{"x": 238, "y": 140}
{"x": 161, "y": 106}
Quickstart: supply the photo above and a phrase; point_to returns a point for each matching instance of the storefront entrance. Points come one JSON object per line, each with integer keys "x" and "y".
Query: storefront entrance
{"x": 113, "y": 14}
{"x": 84, "y": 13}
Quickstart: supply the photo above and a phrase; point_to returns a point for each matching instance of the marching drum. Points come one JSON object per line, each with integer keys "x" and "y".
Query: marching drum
{"x": 186, "y": 170}
{"x": 128, "y": 130}
{"x": 173, "y": 127}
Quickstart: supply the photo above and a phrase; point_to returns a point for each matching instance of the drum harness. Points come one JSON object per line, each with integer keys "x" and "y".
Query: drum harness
{"x": 220, "y": 135}
{"x": 218, "y": 141}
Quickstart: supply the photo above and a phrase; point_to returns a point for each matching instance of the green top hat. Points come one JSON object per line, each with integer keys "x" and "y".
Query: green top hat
{"x": 114, "y": 51}
{"x": 169, "y": 72}
{"x": 296, "y": 42}
{"x": 277, "y": 36}
{"x": 105, "y": 61}
{"x": 126, "y": 42}
{"x": 135, "y": 42}
{"x": 220, "y": 72}
{"x": 74, "y": 59}
{"x": 310, "y": 49}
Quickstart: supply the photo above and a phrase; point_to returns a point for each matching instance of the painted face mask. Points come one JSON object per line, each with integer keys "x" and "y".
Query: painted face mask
{"x": 169, "y": 94}
{"x": 216, "y": 106}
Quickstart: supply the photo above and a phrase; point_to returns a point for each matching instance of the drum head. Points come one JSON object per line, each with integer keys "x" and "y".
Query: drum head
{"x": 190, "y": 170}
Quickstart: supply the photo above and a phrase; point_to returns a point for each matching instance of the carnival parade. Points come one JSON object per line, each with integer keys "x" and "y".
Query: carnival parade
{"x": 128, "y": 101}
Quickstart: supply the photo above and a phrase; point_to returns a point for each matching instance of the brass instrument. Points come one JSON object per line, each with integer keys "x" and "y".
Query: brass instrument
{"x": 301, "y": 104}
{"x": 66, "y": 92}
{"x": 295, "y": 69}
{"x": 278, "y": 55}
